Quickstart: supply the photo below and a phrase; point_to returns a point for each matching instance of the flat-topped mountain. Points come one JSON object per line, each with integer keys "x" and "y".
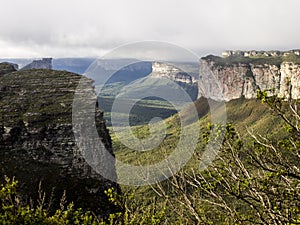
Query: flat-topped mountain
{"x": 237, "y": 75}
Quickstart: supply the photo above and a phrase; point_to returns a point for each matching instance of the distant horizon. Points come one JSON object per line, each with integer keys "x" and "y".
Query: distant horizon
{"x": 213, "y": 52}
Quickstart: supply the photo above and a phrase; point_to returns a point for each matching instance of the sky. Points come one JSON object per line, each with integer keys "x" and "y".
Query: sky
{"x": 89, "y": 28}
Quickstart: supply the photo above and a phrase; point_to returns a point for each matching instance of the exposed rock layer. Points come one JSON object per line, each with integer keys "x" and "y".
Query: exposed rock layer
{"x": 160, "y": 70}
{"x": 181, "y": 74}
{"x": 226, "y": 81}
{"x": 6, "y": 68}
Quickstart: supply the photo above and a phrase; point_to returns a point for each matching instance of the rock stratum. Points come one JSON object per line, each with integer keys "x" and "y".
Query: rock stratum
{"x": 37, "y": 144}
{"x": 237, "y": 76}
{"x": 161, "y": 70}
{"x": 183, "y": 74}
{"x": 7, "y": 68}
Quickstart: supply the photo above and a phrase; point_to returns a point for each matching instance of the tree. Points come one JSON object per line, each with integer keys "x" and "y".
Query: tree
{"x": 252, "y": 181}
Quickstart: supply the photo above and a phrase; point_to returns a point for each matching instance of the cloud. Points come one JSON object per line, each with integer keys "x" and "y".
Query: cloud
{"x": 91, "y": 27}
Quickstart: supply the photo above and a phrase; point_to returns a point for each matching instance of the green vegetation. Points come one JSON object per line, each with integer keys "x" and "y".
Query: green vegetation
{"x": 14, "y": 212}
{"x": 34, "y": 100}
{"x": 255, "y": 60}
{"x": 141, "y": 113}
{"x": 291, "y": 58}
{"x": 253, "y": 180}
{"x": 6, "y": 68}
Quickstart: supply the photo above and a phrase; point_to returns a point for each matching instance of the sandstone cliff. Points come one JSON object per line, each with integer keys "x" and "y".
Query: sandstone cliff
{"x": 184, "y": 76}
{"x": 160, "y": 70}
{"x": 238, "y": 76}
{"x": 37, "y": 141}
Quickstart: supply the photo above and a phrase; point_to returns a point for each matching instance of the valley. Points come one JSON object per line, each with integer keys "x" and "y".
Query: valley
{"x": 237, "y": 160}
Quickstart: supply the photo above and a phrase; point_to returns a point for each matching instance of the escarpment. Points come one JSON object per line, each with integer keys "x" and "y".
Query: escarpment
{"x": 236, "y": 76}
{"x": 160, "y": 70}
{"x": 37, "y": 144}
{"x": 184, "y": 76}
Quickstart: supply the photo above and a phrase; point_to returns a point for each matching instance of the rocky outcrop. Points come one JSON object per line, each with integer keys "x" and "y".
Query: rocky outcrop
{"x": 289, "y": 80}
{"x": 37, "y": 140}
{"x": 45, "y": 63}
{"x": 232, "y": 78}
{"x": 161, "y": 70}
{"x": 7, "y": 68}
{"x": 183, "y": 78}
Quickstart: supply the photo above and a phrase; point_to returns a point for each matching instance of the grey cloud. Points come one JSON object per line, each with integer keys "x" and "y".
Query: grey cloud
{"x": 77, "y": 27}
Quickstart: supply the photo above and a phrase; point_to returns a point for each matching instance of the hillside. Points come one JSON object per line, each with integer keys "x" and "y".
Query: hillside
{"x": 244, "y": 114}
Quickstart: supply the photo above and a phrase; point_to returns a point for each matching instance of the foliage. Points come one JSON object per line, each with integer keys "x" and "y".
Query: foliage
{"x": 254, "y": 178}
{"x": 250, "y": 182}
{"x": 12, "y": 210}
{"x": 255, "y": 60}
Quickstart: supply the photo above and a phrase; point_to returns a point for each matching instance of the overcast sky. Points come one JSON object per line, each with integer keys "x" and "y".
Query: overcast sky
{"x": 77, "y": 28}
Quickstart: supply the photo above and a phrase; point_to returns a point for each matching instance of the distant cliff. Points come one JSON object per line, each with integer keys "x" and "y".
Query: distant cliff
{"x": 183, "y": 78}
{"x": 37, "y": 140}
{"x": 45, "y": 63}
{"x": 160, "y": 70}
{"x": 237, "y": 76}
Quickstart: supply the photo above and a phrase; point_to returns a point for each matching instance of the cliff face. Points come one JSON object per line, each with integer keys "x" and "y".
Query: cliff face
{"x": 37, "y": 141}
{"x": 182, "y": 78}
{"x": 242, "y": 77}
{"x": 160, "y": 70}
{"x": 45, "y": 63}
{"x": 7, "y": 68}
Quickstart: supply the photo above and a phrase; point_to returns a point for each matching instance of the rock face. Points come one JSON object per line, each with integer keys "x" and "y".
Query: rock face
{"x": 37, "y": 141}
{"x": 183, "y": 78}
{"x": 45, "y": 63}
{"x": 7, "y": 68}
{"x": 160, "y": 70}
{"x": 224, "y": 79}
